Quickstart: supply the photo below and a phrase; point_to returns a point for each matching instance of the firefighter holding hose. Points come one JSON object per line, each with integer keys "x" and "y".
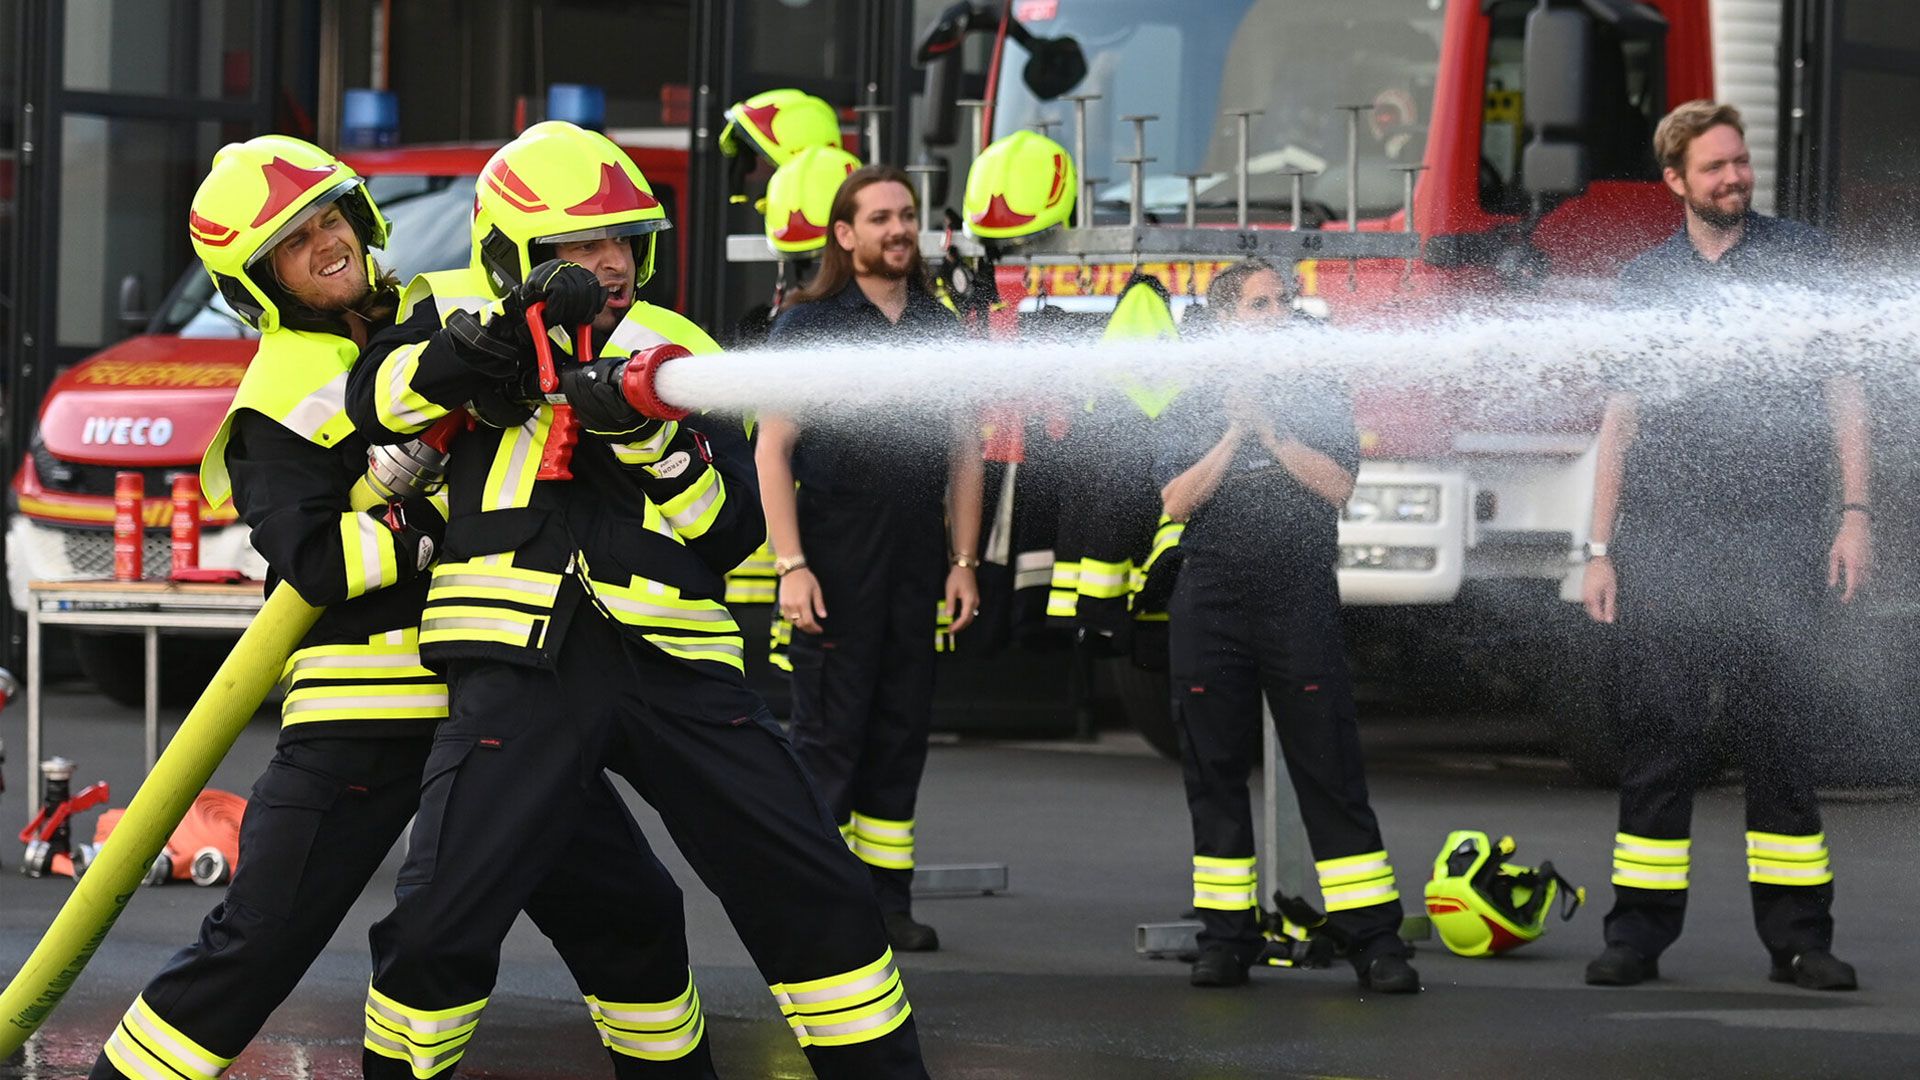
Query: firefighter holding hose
{"x": 578, "y": 610}
{"x": 285, "y": 231}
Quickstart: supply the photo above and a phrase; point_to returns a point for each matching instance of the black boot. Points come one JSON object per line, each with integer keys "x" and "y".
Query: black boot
{"x": 1815, "y": 969}
{"x": 1621, "y": 965}
{"x": 905, "y": 935}
{"x": 1389, "y": 973}
{"x": 1218, "y": 966}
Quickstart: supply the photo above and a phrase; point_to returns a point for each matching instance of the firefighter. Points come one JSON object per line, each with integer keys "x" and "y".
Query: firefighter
{"x": 867, "y": 555}
{"x": 1259, "y": 475}
{"x": 284, "y": 229}
{"x": 1752, "y": 467}
{"x": 581, "y": 620}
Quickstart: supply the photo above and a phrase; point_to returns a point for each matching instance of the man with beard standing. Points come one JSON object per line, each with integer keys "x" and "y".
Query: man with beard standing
{"x": 865, "y": 537}
{"x": 1730, "y": 526}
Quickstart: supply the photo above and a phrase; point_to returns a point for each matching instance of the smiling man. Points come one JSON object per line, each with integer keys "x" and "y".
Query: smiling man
{"x": 868, "y": 514}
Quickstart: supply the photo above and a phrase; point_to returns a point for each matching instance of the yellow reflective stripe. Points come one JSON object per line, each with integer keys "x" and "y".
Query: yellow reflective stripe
{"x": 1066, "y": 575}
{"x": 779, "y": 637}
{"x": 1062, "y": 604}
{"x": 397, "y": 405}
{"x": 143, "y": 1045}
{"x": 398, "y": 701}
{"x": 654, "y": 603}
{"x": 1781, "y": 846}
{"x": 456, "y": 622}
{"x": 1104, "y": 580}
{"x": 647, "y": 451}
{"x": 1356, "y": 881}
{"x": 839, "y": 1010}
{"x": 1644, "y": 849}
{"x": 1777, "y": 859}
{"x": 366, "y": 549}
{"x": 693, "y": 511}
{"x": 731, "y": 651}
{"x": 1224, "y": 884}
{"x": 466, "y": 582}
{"x": 751, "y": 590}
{"x": 651, "y": 1031}
{"x": 880, "y": 842}
{"x": 516, "y": 462}
{"x": 429, "y": 1040}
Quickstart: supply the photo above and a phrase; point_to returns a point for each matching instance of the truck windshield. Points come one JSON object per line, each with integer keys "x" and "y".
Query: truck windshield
{"x": 431, "y": 231}
{"x": 1188, "y": 62}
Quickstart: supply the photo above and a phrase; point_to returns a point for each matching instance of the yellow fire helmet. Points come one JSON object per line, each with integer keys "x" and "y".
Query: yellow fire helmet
{"x": 560, "y": 183}
{"x": 1483, "y": 906}
{"x": 258, "y": 192}
{"x": 800, "y": 199}
{"x": 780, "y": 124}
{"x": 1020, "y": 186}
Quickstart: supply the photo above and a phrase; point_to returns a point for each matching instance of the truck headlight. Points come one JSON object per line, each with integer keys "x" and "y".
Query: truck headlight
{"x": 1394, "y": 503}
{"x": 1382, "y": 557}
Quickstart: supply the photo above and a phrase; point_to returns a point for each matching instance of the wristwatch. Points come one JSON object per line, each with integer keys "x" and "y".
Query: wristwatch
{"x": 785, "y": 566}
{"x": 1594, "y": 549}
{"x": 965, "y": 560}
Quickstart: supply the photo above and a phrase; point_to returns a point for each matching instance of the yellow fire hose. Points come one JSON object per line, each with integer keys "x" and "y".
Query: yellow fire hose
{"x": 197, "y": 748}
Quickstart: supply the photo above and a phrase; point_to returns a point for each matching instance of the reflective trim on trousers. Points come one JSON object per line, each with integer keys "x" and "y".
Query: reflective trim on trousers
{"x": 146, "y": 1047}
{"x": 1646, "y": 862}
{"x": 839, "y": 1010}
{"x": 1356, "y": 881}
{"x": 1777, "y": 859}
{"x": 428, "y": 1040}
{"x": 651, "y": 1031}
{"x": 1224, "y": 884}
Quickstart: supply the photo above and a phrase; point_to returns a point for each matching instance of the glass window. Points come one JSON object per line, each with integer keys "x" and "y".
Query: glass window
{"x": 1295, "y": 62}
{"x": 1876, "y": 175}
{"x": 1626, "y": 101}
{"x": 1886, "y": 24}
{"x": 202, "y": 49}
{"x": 124, "y": 190}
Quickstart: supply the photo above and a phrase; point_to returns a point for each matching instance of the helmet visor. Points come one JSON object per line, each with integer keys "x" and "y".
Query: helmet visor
{"x": 326, "y": 199}
{"x": 603, "y": 232}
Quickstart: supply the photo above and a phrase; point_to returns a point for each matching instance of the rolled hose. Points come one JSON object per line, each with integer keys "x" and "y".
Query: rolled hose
{"x": 204, "y": 738}
{"x": 638, "y": 381}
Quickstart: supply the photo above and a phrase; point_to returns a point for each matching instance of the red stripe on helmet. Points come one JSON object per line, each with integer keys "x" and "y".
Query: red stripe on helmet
{"x": 511, "y": 188}
{"x": 798, "y": 229}
{"x": 761, "y": 118}
{"x": 285, "y": 183}
{"x": 1059, "y": 187}
{"x": 999, "y": 215}
{"x": 210, "y": 233}
{"x": 617, "y": 194}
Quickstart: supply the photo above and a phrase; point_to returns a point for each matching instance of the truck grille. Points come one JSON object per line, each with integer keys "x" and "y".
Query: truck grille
{"x": 91, "y": 553}
{"x": 74, "y": 478}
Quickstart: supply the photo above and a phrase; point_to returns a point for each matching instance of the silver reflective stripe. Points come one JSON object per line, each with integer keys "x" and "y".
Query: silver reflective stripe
{"x": 853, "y": 1027}
{"x": 423, "y": 1064}
{"x": 473, "y": 622}
{"x": 1355, "y": 870}
{"x": 398, "y": 387}
{"x": 660, "y": 611}
{"x": 1811, "y": 870}
{"x": 1088, "y": 577}
{"x": 840, "y": 992}
{"x": 373, "y": 534}
{"x": 1681, "y": 852}
{"x": 673, "y": 1015}
{"x": 421, "y": 1027}
{"x": 367, "y": 701}
{"x": 1224, "y": 897}
{"x": 186, "y": 1053}
{"x": 1645, "y": 874}
{"x": 360, "y": 660}
{"x": 723, "y": 648}
{"x": 132, "y": 1061}
{"x": 1032, "y": 569}
{"x": 631, "y": 337}
{"x": 881, "y": 830}
{"x": 523, "y": 439}
{"x": 655, "y": 1046}
{"x": 653, "y": 447}
{"x": 447, "y": 305}
{"x": 470, "y": 580}
{"x": 1348, "y": 894}
{"x": 319, "y": 408}
{"x": 683, "y": 518}
{"x": 1805, "y": 847}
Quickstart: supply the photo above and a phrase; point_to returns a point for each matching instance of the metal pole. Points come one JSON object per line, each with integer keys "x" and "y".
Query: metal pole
{"x": 1353, "y": 185}
{"x": 923, "y": 182}
{"x": 1083, "y": 210}
{"x": 978, "y": 109}
{"x": 1296, "y": 176}
{"x": 870, "y": 128}
{"x": 1245, "y": 121}
{"x": 1089, "y": 188}
{"x": 1407, "y": 174}
{"x": 1136, "y": 213}
{"x": 1045, "y": 127}
{"x": 1286, "y": 857}
{"x": 1193, "y": 196}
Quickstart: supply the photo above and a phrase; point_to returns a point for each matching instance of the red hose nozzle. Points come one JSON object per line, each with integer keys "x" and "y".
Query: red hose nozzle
{"x": 637, "y": 382}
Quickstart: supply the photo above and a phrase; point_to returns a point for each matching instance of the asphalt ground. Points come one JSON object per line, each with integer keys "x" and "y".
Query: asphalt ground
{"x": 1042, "y": 981}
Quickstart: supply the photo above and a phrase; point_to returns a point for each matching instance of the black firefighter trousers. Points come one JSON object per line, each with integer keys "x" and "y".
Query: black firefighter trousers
{"x": 1232, "y": 639}
{"x": 863, "y": 686}
{"x": 320, "y": 821}
{"x": 505, "y": 777}
{"x": 1763, "y": 664}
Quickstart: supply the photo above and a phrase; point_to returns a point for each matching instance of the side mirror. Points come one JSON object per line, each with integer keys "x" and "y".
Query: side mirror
{"x": 1558, "y": 82}
{"x": 133, "y": 315}
{"x": 1054, "y": 67}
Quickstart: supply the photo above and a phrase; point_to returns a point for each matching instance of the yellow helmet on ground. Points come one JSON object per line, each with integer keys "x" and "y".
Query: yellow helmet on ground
{"x": 255, "y": 195}
{"x": 560, "y": 183}
{"x": 800, "y": 199}
{"x": 1482, "y": 906}
{"x": 780, "y": 124}
{"x": 1020, "y": 186}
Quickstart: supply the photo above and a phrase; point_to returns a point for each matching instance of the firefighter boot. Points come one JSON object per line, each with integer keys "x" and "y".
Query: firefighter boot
{"x": 906, "y": 935}
{"x": 1815, "y": 969}
{"x": 1218, "y": 966}
{"x": 1623, "y": 965}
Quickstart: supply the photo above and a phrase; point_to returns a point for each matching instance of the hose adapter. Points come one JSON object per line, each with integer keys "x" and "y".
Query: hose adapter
{"x": 638, "y": 378}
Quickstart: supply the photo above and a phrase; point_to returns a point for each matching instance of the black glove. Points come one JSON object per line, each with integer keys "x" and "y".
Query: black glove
{"x": 500, "y": 348}
{"x": 503, "y": 405}
{"x": 419, "y": 529}
{"x": 570, "y": 291}
{"x": 594, "y": 392}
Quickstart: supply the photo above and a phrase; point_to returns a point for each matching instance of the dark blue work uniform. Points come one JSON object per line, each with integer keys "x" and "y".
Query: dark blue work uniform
{"x": 1256, "y": 611}
{"x": 1727, "y": 513}
{"x": 873, "y": 529}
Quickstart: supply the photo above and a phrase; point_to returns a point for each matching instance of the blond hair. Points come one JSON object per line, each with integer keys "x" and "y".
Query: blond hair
{"x": 1688, "y": 122}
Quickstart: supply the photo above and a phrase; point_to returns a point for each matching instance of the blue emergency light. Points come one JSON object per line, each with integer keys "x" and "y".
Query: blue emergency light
{"x": 578, "y": 103}
{"x": 369, "y": 119}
